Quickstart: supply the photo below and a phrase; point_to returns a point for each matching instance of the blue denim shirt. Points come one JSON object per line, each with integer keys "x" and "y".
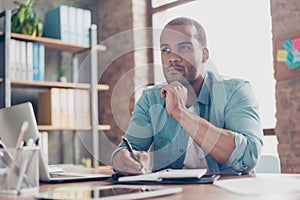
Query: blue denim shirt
{"x": 226, "y": 103}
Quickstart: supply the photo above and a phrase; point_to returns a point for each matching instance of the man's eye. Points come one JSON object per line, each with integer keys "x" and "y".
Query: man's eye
{"x": 184, "y": 48}
{"x": 165, "y": 50}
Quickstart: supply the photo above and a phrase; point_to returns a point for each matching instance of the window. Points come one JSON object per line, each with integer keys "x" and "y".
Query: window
{"x": 239, "y": 40}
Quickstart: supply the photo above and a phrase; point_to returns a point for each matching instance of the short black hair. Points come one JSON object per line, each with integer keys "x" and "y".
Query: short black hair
{"x": 187, "y": 21}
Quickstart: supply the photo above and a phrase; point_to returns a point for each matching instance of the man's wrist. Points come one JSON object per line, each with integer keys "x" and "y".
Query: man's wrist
{"x": 177, "y": 114}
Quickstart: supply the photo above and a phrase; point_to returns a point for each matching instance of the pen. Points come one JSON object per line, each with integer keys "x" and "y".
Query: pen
{"x": 129, "y": 147}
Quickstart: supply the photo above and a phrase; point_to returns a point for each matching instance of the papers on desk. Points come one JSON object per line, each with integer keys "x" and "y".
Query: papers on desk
{"x": 165, "y": 174}
{"x": 55, "y": 169}
{"x": 261, "y": 185}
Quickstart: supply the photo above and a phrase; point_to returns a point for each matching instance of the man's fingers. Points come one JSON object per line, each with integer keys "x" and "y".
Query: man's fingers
{"x": 125, "y": 164}
{"x": 163, "y": 92}
{"x": 143, "y": 158}
{"x": 166, "y": 89}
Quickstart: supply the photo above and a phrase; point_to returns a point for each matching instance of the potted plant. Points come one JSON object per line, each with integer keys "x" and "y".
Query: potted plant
{"x": 24, "y": 20}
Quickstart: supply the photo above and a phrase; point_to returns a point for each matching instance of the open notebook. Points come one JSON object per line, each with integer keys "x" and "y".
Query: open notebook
{"x": 168, "y": 176}
{"x": 11, "y": 120}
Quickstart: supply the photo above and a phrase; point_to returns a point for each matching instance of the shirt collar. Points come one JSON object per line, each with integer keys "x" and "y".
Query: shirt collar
{"x": 204, "y": 94}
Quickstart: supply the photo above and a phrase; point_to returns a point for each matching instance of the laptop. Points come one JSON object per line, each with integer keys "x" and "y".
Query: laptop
{"x": 11, "y": 120}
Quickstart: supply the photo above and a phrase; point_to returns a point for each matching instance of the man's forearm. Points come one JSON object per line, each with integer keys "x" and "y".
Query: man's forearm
{"x": 217, "y": 142}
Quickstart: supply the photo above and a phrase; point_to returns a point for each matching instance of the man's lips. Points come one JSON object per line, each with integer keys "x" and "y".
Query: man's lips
{"x": 175, "y": 69}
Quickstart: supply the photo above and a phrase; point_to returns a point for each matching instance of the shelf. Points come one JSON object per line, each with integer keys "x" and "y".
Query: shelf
{"x": 102, "y": 127}
{"x": 49, "y": 84}
{"x": 91, "y": 86}
{"x": 55, "y": 44}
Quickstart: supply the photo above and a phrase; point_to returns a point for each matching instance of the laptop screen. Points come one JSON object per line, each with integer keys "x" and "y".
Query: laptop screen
{"x": 11, "y": 120}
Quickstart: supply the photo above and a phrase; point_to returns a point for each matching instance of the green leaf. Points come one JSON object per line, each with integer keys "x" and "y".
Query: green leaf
{"x": 29, "y": 13}
{"x": 15, "y": 24}
{"x": 21, "y": 15}
{"x": 40, "y": 29}
{"x": 27, "y": 3}
{"x": 35, "y": 21}
{"x": 30, "y": 3}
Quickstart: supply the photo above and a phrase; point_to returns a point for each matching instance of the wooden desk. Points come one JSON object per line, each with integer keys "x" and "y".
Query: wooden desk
{"x": 197, "y": 191}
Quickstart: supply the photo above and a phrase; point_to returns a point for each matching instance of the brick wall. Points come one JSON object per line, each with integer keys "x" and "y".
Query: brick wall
{"x": 118, "y": 20}
{"x": 285, "y": 23}
{"x": 115, "y": 25}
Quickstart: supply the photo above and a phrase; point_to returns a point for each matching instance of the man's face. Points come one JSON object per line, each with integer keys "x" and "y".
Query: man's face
{"x": 181, "y": 54}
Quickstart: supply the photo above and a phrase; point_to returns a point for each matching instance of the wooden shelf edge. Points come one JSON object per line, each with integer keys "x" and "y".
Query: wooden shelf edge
{"x": 103, "y": 127}
{"x": 103, "y": 87}
{"x": 55, "y": 43}
{"x": 49, "y": 84}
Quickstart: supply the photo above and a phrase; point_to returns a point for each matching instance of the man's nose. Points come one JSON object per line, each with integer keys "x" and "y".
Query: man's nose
{"x": 174, "y": 58}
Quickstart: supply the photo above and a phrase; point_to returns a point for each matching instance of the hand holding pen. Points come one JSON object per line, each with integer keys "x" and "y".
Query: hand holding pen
{"x": 130, "y": 149}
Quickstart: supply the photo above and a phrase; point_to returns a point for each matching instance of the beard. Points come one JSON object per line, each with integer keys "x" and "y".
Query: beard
{"x": 185, "y": 75}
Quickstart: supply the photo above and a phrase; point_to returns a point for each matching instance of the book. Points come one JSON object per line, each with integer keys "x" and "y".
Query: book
{"x": 29, "y": 61}
{"x": 80, "y": 23}
{"x": 35, "y": 62}
{"x": 87, "y": 25}
{"x": 49, "y": 107}
{"x": 85, "y": 106}
{"x": 44, "y": 145}
{"x": 70, "y": 110}
{"x": 17, "y": 60}
{"x": 165, "y": 174}
{"x": 78, "y": 115}
{"x": 41, "y": 60}
{"x": 23, "y": 62}
{"x": 63, "y": 108}
{"x": 57, "y": 23}
{"x": 72, "y": 25}
{"x": 13, "y": 54}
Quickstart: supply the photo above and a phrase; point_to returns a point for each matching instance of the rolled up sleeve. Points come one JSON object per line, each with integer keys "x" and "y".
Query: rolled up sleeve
{"x": 242, "y": 117}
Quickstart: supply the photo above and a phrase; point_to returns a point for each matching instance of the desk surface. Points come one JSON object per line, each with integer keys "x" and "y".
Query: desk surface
{"x": 193, "y": 191}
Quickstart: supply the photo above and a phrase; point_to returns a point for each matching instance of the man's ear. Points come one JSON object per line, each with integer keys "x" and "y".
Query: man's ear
{"x": 205, "y": 55}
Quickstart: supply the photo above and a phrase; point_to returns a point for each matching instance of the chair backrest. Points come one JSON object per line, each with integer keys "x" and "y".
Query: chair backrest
{"x": 268, "y": 164}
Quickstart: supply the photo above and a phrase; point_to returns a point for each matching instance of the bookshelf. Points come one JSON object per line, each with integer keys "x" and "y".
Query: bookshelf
{"x": 8, "y": 85}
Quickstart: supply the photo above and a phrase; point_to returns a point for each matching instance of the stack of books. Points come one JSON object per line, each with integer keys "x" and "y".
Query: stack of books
{"x": 27, "y": 61}
{"x": 64, "y": 108}
{"x": 68, "y": 24}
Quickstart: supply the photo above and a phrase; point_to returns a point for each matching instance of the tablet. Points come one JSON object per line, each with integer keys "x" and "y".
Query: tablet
{"x": 108, "y": 192}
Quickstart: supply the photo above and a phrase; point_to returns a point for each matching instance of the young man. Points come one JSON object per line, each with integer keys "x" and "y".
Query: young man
{"x": 198, "y": 119}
